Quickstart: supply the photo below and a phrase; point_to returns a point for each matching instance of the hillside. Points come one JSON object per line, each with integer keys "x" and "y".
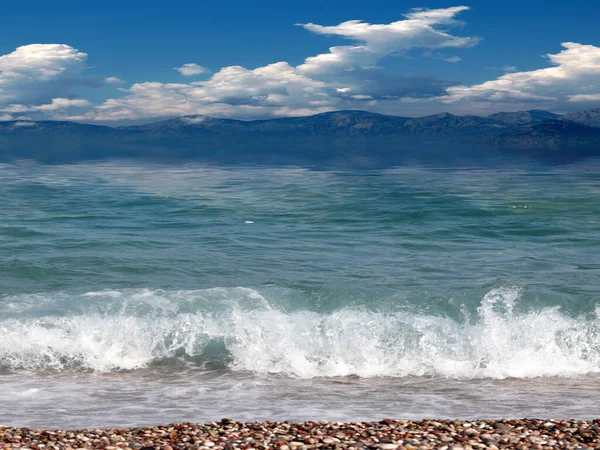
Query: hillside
{"x": 341, "y": 137}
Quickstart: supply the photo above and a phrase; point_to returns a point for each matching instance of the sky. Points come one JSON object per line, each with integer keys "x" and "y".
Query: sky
{"x": 130, "y": 61}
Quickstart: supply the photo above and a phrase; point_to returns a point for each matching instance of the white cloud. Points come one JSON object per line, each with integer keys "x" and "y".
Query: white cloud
{"x": 57, "y": 104}
{"x": 375, "y": 41}
{"x": 41, "y": 61}
{"x": 573, "y": 77}
{"x": 194, "y": 120}
{"x": 269, "y": 90}
{"x": 584, "y": 98}
{"x": 453, "y": 59}
{"x": 38, "y": 72}
{"x": 443, "y": 16}
{"x": 113, "y": 80}
{"x": 6, "y": 117}
{"x": 190, "y": 69}
{"x": 40, "y": 79}
{"x": 345, "y": 77}
{"x": 418, "y": 30}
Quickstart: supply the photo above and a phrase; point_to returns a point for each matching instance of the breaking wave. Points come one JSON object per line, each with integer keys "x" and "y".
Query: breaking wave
{"x": 239, "y": 329}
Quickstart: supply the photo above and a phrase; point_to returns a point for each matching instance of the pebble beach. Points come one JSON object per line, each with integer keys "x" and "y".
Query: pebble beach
{"x": 387, "y": 434}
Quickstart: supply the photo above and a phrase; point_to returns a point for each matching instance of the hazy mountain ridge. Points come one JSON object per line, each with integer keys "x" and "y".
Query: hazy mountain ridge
{"x": 591, "y": 117}
{"x": 340, "y": 137}
{"x": 523, "y": 117}
{"x": 556, "y": 139}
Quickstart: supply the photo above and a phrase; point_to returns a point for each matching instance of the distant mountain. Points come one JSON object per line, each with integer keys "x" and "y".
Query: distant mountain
{"x": 52, "y": 141}
{"x": 335, "y": 138}
{"x": 338, "y": 123}
{"x": 345, "y": 123}
{"x": 591, "y": 118}
{"x": 446, "y": 125}
{"x": 523, "y": 117}
{"x": 188, "y": 125}
{"x": 557, "y": 140}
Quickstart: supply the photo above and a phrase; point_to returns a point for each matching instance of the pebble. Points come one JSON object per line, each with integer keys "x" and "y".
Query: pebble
{"x": 389, "y": 434}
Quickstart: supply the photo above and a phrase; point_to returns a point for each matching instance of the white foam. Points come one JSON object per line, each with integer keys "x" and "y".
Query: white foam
{"x": 107, "y": 293}
{"x": 498, "y": 343}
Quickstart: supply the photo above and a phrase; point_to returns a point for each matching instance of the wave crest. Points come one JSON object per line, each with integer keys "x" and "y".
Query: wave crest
{"x": 138, "y": 328}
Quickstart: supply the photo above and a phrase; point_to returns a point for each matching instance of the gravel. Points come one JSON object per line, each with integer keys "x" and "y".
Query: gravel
{"x": 385, "y": 435}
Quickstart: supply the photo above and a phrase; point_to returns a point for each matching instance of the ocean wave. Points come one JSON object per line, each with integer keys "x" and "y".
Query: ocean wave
{"x": 238, "y": 327}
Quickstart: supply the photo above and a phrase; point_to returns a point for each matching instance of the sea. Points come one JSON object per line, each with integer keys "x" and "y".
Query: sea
{"x": 146, "y": 293}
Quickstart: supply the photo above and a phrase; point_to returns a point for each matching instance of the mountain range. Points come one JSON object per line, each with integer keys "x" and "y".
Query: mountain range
{"x": 333, "y": 138}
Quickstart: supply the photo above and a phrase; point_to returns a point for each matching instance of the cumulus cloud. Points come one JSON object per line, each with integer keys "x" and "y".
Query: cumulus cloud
{"x": 37, "y": 73}
{"x": 190, "y": 69}
{"x": 345, "y": 77}
{"x": 574, "y": 77}
{"x": 419, "y": 29}
{"x": 235, "y": 90}
{"x": 40, "y": 61}
{"x": 41, "y": 78}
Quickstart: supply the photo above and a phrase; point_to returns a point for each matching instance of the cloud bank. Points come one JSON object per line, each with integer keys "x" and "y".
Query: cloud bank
{"x": 346, "y": 76}
{"x": 573, "y": 78}
{"x": 41, "y": 80}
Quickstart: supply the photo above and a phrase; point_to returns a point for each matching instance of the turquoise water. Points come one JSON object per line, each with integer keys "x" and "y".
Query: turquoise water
{"x": 293, "y": 293}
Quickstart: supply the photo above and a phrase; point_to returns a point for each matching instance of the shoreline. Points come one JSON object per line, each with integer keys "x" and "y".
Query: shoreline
{"x": 387, "y": 434}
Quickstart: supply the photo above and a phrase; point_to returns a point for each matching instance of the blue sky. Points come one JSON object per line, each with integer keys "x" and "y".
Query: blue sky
{"x": 114, "y": 62}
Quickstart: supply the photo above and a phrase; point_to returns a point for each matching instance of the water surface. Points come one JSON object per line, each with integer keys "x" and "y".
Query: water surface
{"x": 136, "y": 294}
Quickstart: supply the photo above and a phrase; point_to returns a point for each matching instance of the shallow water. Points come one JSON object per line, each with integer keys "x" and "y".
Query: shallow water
{"x": 135, "y": 294}
{"x": 139, "y": 399}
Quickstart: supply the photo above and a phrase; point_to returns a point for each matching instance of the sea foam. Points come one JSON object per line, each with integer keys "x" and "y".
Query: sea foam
{"x": 240, "y": 329}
